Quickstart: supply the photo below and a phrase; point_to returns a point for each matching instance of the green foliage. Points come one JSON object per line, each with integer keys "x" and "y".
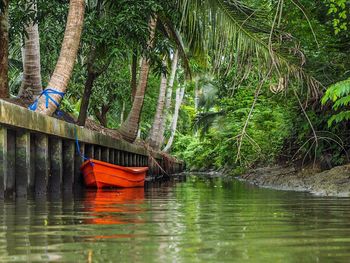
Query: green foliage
{"x": 339, "y": 94}
{"x": 229, "y": 44}
{"x": 339, "y": 10}
{"x": 270, "y": 125}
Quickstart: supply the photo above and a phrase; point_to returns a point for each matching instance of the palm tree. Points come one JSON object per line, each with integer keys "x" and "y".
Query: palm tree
{"x": 130, "y": 126}
{"x": 180, "y": 92}
{"x": 154, "y": 134}
{"x": 228, "y": 30}
{"x": 163, "y": 119}
{"x": 234, "y": 32}
{"x": 133, "y": 81}
{"x": 4, "y": 48}
{"x": 64, "y": 67}
{"x": 31, "y": 86}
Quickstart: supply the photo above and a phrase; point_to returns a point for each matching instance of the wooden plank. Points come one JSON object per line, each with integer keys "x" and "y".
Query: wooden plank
{"x": 68, "y": 165}
{"x": 19, "y": 117}
{"x": 42, "y": 164}
{"x": 3, "y": 160}
{"x": 22, "y": 174}
{"x": 56, "y": 164}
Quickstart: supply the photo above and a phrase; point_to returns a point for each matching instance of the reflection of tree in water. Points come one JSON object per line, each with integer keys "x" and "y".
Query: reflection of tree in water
{"x": 197, "y": 219}
{"x": 25, "y": 225}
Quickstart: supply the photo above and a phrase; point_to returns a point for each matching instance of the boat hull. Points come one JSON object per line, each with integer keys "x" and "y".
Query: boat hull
{"x": 101, "y": 174}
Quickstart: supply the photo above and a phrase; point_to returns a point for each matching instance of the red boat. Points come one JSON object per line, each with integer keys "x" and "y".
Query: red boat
{"x": 101, "y": 174}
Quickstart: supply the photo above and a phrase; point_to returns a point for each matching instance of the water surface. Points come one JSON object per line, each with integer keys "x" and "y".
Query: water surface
{"x": 196, "y": 219}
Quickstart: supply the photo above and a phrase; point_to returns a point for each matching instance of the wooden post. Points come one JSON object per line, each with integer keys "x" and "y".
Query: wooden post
{"x": 131, "y": 159}
{"x": 111, "y": 156}
{"x": 89, "y": 151}
{"x": 56, "y": 163}
{"x": 97, "y": 154}
{"x": 68, "y": 165}
{"x": 138, "y": 158}
{"x": 122, "y": 159}
{"x": 22, "y": 163}
{"x": 105, "y": 154}
{"x": 3, "y": 160}
{"x": 41, "y": 163}
{"x": 134, "y": 163}
{"x": 31, "y": 186}
{"x": 117, "y": 157}
{"x": 78, "y": 161}
{"x": 126, "y": 159}
{"x": 11, "y": 163}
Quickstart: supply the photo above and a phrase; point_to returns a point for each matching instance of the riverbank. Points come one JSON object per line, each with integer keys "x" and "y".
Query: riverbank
{"x": 40, "y": 154}
{"x": 333, "y": 182}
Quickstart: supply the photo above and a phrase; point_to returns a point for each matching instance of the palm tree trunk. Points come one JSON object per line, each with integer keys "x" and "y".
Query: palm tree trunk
{"x": 122, "y": 113}
{"x": 70, "y": 45}
{"x": 179, "y": 97}
{"x": 4, "y": 49}
{"x": 31, "y": 86}
{"x": 168, "y": 97}
{"x": 129, "y": 128}
{"x": 133, "y": 75}
{"x": 154, "y": 132}
{"x": 196, "y": 95}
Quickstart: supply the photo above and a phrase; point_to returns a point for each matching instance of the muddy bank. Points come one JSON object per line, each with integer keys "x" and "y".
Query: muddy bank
{"x": 334, "y": 182}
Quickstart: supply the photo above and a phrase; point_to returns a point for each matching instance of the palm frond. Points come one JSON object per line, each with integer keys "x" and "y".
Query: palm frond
{"x": 15, "y": 64}
{"x": 208, "y": 97}
{"x": 230, "y": 29}
{"x": 204, "y": 121}
{"x": 175, "y": 36}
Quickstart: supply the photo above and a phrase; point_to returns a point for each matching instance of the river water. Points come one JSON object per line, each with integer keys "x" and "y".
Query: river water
{"x": 189, "y": 219}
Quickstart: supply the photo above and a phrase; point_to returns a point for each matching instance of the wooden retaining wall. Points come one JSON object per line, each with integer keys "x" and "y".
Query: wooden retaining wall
{"x": 38, "y": 153}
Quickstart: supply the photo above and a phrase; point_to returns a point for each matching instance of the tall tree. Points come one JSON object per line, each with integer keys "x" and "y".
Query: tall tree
{"x": 4, "y": 48}
{"x": 133, "y": 74}
{"x": 130, "y": 127}
{"x": 64, "y": 67}
{"x": 168, "y": 97}
{"x": 93, "y": 72}
{"x": 31, "y": 86}
{"x": 179, "y": 97}
{"x": 153, "y": 138}
{"x": 91, "y": 77}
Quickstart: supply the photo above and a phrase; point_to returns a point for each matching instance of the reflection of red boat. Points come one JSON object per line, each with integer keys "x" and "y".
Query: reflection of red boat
{"x": 114, "y": 207}
{"x": 101, "y": 174}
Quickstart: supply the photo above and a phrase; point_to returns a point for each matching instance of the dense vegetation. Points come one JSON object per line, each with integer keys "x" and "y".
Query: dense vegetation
{"x": 220, "y": 84}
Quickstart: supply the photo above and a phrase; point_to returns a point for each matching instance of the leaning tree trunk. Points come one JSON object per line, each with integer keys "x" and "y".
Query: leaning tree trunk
{"x": 179, "y": 97}
{"x": 153, "y": 138}
{"x": 4, "y": 49}
{"x": 86, "y": 98}
{"x": 130, "y": 127}
{"x": 168, "y": 98}
{"x": 122, "y": 113}
{"x": 133, "y": 75}
{"x": 31, "y": 86}
{"x": 89, "y": 83}
{"x": 102, "y": 115}
{"x": 64, "y": 67}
